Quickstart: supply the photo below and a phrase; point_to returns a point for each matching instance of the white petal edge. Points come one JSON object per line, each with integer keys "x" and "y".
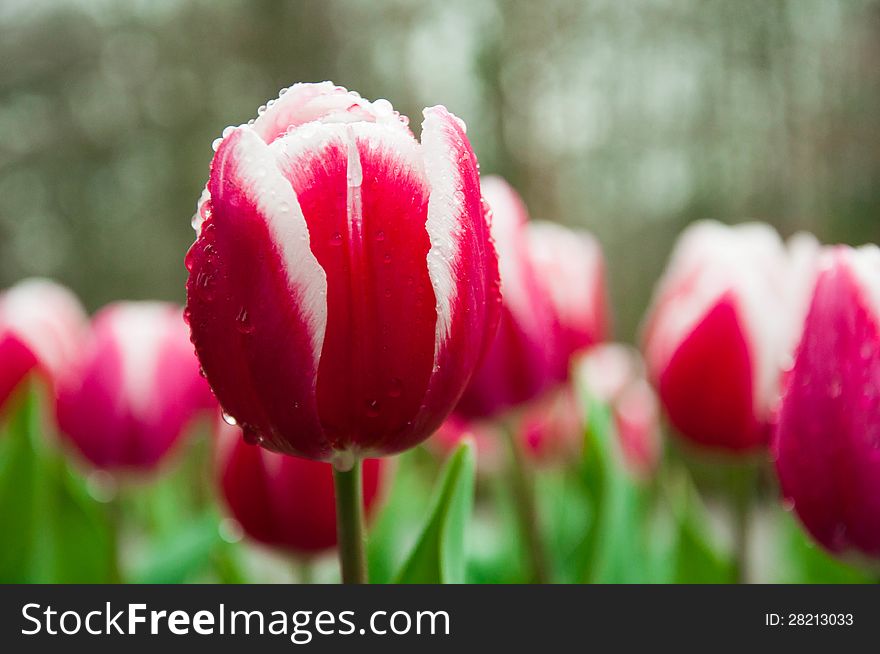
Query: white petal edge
{"x": 258, "y": 170}
{"x": 442, "y": 224}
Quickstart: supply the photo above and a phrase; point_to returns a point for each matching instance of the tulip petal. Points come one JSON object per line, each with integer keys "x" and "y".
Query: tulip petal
{"x": 522, "y": 360}
{"x": 462, "y": 265}
{"x": 706, "y": 386}
{"x": 571, "y": 266}
{"x": 17, "y": 360}
{"x": 365, "y": 200}
{"x": 827, "y": 445}
{"x": 303, "y": 103}
{"x": 252, "y": 273}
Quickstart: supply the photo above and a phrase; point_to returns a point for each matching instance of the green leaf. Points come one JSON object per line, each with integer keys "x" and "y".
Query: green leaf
{"x": 613, "y": 547}
{"x": 395, "y": 528}
{"x": 61, "y": 534}
{"x": 493, "y": 556}
{"x": 805, "y": 562}
{"x": 183, "y": 555}
{"x": 439, "y": 555}
{"x": 696, "y": 557}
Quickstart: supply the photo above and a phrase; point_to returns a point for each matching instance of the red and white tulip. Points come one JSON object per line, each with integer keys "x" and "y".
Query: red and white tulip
{"x": 343, "y": 284}
{"x": 721, "y": 326}
{"x": 133, "y": 388}
{"x": 284, "y": 501}
{"x": 827, "y": 441}
{"x": 41, "y": 328}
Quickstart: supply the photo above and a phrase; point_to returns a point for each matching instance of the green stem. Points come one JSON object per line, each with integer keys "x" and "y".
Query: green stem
{"x": 350, "y": 524}
{"x": 114, "y": 516}
{"x": 304, "y": 570}
{"x": 742, "y": 496}
{"x": 524, "y": 494}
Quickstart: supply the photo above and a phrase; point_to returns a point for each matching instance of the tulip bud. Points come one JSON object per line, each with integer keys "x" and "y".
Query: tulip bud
{"x": 571, "y": 269}
{"x": 343, "y": 284}
{"x": 285, "y": 501}
{"x": 719, "y": 329}
{"x": 520, "y": 364}
{"x": 134, "y": 387}
{"x": 41, "y": 327}
{"x": 614, "y": 375}
{"x": 827, "y": 442}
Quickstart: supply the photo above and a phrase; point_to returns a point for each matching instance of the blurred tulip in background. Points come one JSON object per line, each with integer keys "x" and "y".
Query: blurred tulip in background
{"x": 520, "y": 363}
{"x": 284, "y": 501}
{"x": 720, "y": 328}
{"x": 42, "y": 326}
{"x": 133, "y": 388}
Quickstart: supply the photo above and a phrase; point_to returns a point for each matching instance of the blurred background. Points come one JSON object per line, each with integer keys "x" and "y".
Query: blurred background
{"x": 629, "y": 119}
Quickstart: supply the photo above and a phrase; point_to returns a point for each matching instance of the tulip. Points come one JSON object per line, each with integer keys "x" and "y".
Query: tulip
{"x": 827, "y": 442}
{"x": 570, "y": 267}
{"x": 719, "y": 329}
{"x": 284, "y": 501}
{"x": 520, "y": 364}
{"x": 41, "y": 327}
{"x": 614, "y": 375}
{"x": 343, "y": 285}
{"x": 133, "y": 388}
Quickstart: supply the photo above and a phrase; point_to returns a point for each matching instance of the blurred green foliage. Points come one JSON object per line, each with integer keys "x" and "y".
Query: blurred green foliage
{"x": 599, "y": 524}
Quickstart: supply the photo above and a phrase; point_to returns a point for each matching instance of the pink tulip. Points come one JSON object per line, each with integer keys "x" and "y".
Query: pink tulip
{"x": 571, "y": 269}
{"x": 614, "y": 375}
{"x": 827, "y": 443}
{"x": 343, "y": 284}
{"x": 285, "y": 501}
{"x": 134, "y": 387}
{"x": 722, "y": 323}
{"x": 41, "y": 327}
{"x": 520, "y": 364}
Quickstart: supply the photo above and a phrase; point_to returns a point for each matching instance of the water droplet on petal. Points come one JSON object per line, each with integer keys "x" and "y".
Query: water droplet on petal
{"x": 336, "y": 239}
{"x": 251, "y": 437}
{"x": 387, "y": 258}
{"x": 373, "y": 408}
{"x": 396, "y": 387}
{"x": 243, "y": 322}
{"x": 380, "y": 235}
{"x": 229, "y": 419}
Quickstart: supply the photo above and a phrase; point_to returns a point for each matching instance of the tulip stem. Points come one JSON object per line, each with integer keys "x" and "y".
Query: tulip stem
{"x": 742, "y": 495}
{"x": 304, "y": 570}
{"x": 350, "y": 524}
{"x": 524, "y": 494}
